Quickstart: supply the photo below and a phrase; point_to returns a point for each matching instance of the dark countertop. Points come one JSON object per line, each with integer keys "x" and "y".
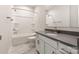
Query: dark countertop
{"x": 64, "y": 38}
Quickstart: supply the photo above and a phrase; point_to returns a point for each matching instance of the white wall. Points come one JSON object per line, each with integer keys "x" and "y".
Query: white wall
{"x": 5, "y": 28}
{"x": 40, "y": 18}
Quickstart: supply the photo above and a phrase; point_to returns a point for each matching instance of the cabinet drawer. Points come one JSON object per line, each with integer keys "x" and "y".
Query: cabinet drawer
{"x": 65, "y": 48}
{"x": 49, "y": 49}
{"x": 74, "y": 51}
{"x": 60, "y": 52}
{"x": 51, "y": 42}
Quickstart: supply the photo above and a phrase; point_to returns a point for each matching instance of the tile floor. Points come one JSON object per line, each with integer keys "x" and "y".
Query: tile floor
{"x": 22, "y": 49}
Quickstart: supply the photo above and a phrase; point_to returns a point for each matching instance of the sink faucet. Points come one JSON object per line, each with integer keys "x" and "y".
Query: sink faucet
{"x": 56, "y": 28}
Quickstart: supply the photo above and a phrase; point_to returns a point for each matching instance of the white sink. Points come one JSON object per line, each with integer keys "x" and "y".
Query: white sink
{"x": 51, "y": 34}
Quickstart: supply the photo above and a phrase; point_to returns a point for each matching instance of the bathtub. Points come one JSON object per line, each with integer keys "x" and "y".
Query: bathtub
{"x": 18, "y": 39}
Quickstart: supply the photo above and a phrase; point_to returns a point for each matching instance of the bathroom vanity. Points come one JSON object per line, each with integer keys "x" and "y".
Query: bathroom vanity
{"x": 56, "y": 43}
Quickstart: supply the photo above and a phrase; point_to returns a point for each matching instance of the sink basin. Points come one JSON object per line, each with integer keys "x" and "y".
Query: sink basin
{"x": 51, "y": 34}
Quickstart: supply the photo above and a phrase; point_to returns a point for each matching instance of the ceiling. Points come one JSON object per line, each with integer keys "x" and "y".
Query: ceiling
{"x": 47, "y": 7}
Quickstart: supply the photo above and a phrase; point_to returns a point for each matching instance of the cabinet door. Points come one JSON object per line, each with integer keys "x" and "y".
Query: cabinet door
{"x": 41, "y": 46}
{"x": 49, "y": 49}
{"x": 53, "y": 43}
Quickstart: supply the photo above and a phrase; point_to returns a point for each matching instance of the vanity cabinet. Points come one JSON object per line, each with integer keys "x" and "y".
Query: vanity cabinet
{"x": 46, "y": 45}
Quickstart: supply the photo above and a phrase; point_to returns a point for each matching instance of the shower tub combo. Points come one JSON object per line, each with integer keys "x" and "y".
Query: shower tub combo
{"x": 23, "y": 44}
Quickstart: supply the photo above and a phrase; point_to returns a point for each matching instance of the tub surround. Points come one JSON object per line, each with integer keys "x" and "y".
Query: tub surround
{"x": 21, "y": 38}
{"x": 23, "y": 44}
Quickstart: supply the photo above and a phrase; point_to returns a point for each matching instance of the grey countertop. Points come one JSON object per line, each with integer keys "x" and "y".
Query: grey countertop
{"x": 69, "y": 39}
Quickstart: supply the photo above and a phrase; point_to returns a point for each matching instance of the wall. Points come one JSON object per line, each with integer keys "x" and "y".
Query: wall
{"x": 5, "y": 28}
{"x": 40, "y": 18}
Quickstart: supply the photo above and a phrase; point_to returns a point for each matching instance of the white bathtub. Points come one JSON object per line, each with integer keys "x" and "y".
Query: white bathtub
{"x": 21, "y": 38}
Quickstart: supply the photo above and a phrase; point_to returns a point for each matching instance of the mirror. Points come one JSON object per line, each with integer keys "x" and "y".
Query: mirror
{"x": 73, "y": 16}
{"x": 63, "y": 17}
{"x": 58, "y": 16}
{"x": 78, "y": 16}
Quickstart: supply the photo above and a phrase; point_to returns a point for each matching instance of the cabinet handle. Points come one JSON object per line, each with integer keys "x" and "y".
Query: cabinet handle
{"x": 38, "y": 41}
{"x": 53, "y": 52}
{"x": 37, "y": 52}
{"x": 66, "y": 51}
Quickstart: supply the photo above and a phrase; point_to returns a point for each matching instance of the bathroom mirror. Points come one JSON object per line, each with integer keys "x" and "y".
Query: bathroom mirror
{"x": 78, "y": 16}
{"x": 58, "y": 16}
{"x": 73, "y": 16}
{"x": 64, "y": 17}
